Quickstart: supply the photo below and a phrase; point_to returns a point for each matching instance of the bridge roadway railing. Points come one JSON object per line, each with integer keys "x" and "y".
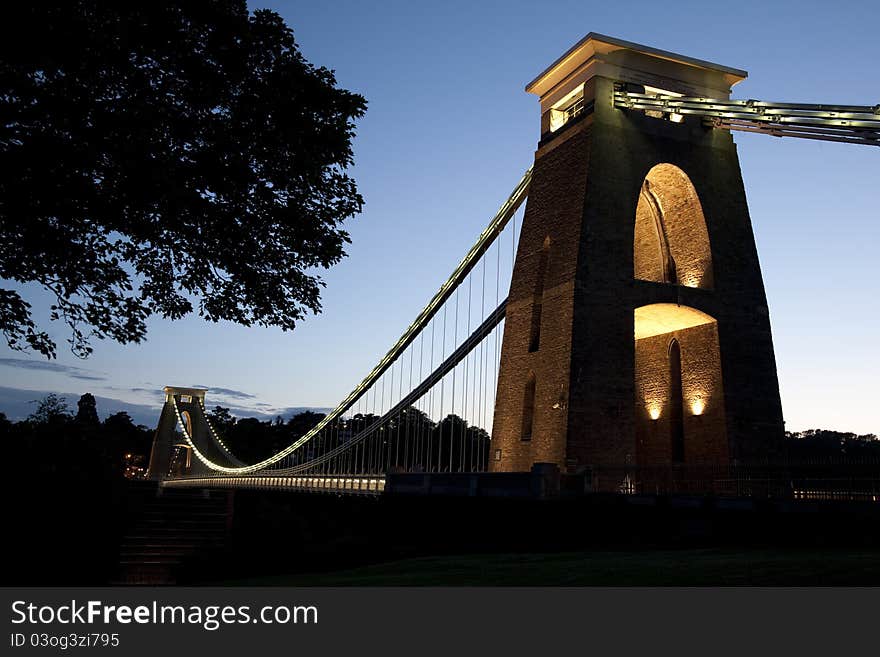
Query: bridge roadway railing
{"x": 821, "y": 481}
{"x": 355, "y": 484}
{"x": 542, "y": 481}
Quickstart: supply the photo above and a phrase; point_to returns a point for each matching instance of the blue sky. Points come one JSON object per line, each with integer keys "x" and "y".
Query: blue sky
{"x": 448, "y": 132}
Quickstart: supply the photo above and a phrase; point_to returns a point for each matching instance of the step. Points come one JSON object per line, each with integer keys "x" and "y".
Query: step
{"x": 216, "y": 522}
{"x": 162, "y": 533}
{"x": 185, "y": 513}
{"x": 176, "y": 532}
{"x": 167, "y": 530}
{"x": 176, "y": 539}
{"x": 219, "y": 505}
{"x": 160, "y": 552}
{"x": 190, "y": 510}
{"x": 150, "y": 560}
{"x": 153, "y": 544}
{"x": 146, "y": 574}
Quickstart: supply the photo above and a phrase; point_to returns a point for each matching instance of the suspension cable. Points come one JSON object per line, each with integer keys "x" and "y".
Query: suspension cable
{"x": 484, "y": 241}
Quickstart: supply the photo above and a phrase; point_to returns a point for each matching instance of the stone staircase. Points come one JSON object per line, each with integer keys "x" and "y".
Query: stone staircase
{"x": 173, "y": 527}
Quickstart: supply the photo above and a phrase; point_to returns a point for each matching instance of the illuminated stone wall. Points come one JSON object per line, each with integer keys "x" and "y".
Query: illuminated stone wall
{"x": 586, "y": 185}
{"x": 669, "y": 191}
{"x": 685, "y": 224}
{"x": 647, "y": 246}
{"x": 554, "y": 209}
{"x": 705, "y": 433}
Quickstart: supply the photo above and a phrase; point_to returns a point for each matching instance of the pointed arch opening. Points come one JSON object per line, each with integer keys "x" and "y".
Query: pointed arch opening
{"x": 528, "y": 419}
{"x": 680, "y": 406}
{"x": 181, "y": 461}
{"x": 538, "y": 297}
{"x": 671, "y": 241}
{"x": 187, "y": 422}
{"x": 676, "y": 403}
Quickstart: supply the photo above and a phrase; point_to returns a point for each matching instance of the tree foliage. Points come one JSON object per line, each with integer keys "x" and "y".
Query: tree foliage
{"x": 252, "y": 440}
{"x": 826, "y": 444}
{"x": 160, "y": 158}
{"x": 451, "y": 444}
{"x": 51, "y": 409}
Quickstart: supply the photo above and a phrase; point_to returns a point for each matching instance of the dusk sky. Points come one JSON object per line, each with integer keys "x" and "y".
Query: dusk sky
{"x": 447, "y": 134}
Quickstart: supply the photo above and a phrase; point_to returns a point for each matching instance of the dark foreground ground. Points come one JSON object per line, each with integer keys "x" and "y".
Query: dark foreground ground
{"x": 599, "y": 540}
{"x": 702, "y": 567}
{"x": 67, "y": 535}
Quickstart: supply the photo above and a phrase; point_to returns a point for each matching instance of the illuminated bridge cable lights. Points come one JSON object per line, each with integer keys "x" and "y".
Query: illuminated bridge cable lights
{"x": 363, "y": 433}
{"x": 852, "y": 124}
{"x": 437, "y": 376}
{"x": 217, "y": 439}
{"x": 380, "y": 441}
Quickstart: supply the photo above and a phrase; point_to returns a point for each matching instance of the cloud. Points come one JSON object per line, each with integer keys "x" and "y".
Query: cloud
{"x": 49, "y": 366}
{"x": 290, "y": 411}
{"x": 271, "y": 414}
{"x": 151, "y": 392}
{"x": 226, "y": 392}
{"x": 267, "y": 412}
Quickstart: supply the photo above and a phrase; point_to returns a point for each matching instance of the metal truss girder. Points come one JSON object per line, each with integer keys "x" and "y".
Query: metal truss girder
{"x": 855, "y": 124}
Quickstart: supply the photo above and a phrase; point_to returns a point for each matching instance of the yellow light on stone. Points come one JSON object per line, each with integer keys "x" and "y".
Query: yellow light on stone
{"x": 698, "y": 407}
{"x": 654, "y": 412}
{"x": 691, "y": 279}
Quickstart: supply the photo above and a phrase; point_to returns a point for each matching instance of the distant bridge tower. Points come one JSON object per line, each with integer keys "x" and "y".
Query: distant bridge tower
{"x": 637, "y": 328}
{"x": 172, "y": 452}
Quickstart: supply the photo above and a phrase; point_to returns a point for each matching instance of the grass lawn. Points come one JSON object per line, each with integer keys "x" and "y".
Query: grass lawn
{"x": 691, "y": 567}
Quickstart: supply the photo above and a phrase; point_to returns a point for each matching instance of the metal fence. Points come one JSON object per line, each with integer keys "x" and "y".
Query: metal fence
{"x": 833, "y": 481}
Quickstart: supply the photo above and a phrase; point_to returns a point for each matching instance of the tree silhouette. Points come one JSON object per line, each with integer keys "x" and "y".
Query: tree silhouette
{"x": 826, "y": 444}
{"x": 302, "y": 422}
{"x": 51, "y": 409}
{"x": 81, "y": 506}
{"x": 222, "y": 420}
{"x": 460, "y": 446}
{"x": 87, "y": 412}
{"x": 161, "y": 157}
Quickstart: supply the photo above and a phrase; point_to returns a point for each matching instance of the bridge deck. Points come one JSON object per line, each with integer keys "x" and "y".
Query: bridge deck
{"x": 366, "y": 484}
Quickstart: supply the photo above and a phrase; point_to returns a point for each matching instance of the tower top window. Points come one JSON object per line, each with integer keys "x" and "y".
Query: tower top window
{"x": 566, "y": 109}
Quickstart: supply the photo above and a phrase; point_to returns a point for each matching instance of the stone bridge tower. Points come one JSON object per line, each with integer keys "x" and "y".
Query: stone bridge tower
{"x": 637, "y": 328}
{"x": 171, "y": 453}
